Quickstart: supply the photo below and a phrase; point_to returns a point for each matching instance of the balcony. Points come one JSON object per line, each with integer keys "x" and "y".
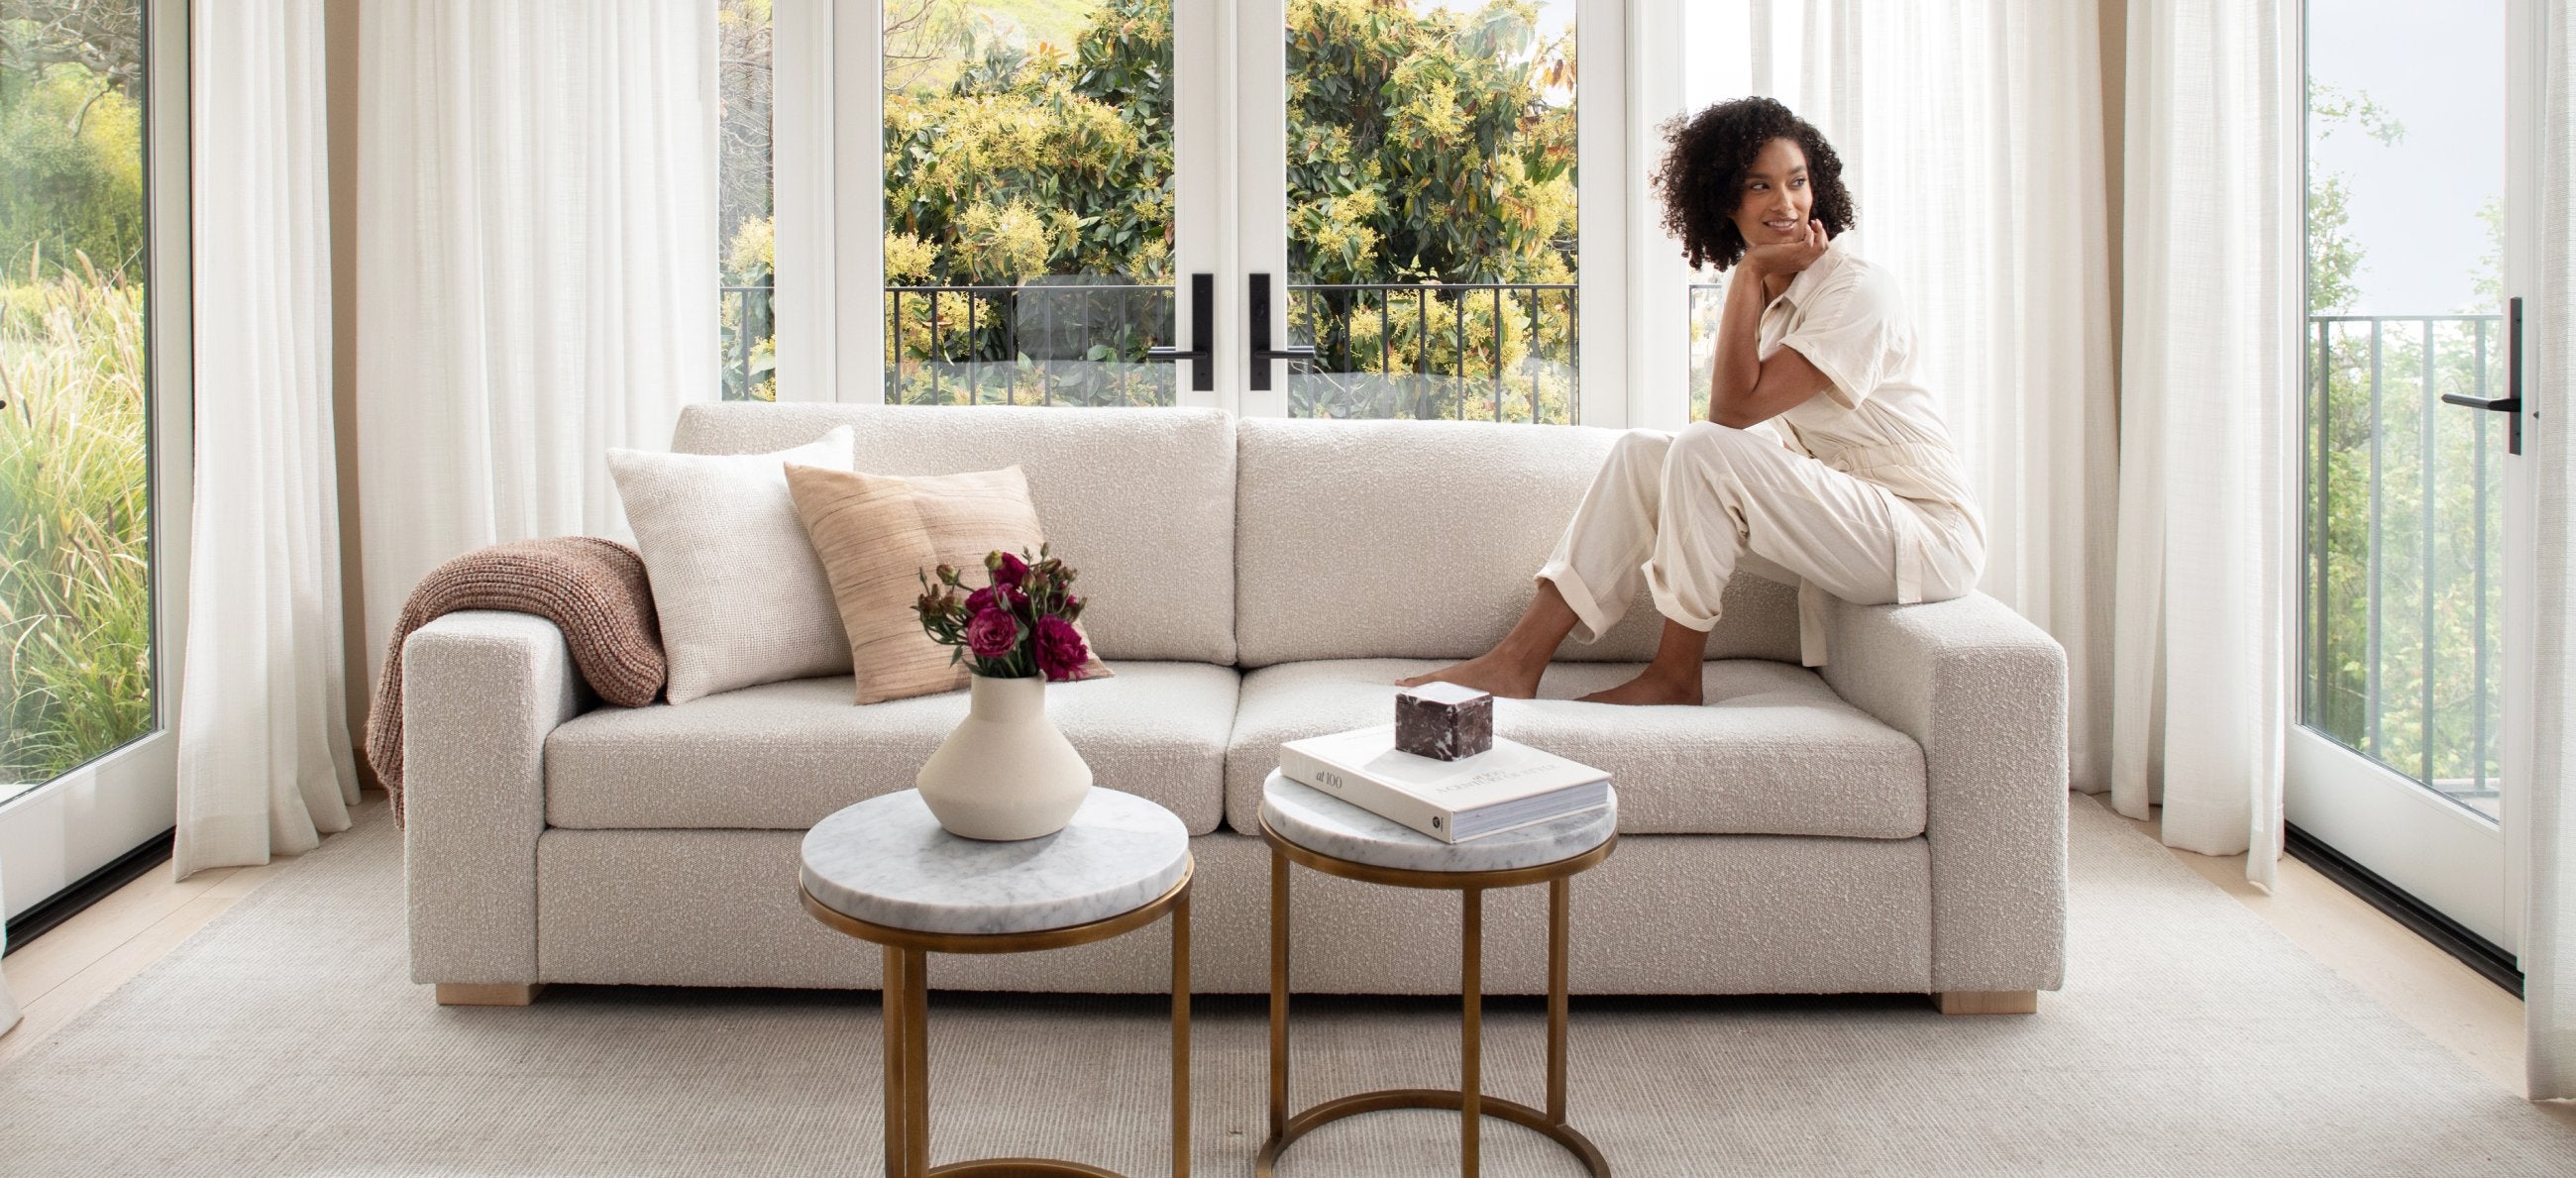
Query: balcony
{"x": 2401, "y": 511}
{"x": 1466, "y": 351}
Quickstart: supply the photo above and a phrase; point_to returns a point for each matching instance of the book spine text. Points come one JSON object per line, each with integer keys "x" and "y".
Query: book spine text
{"x": 1367, "y": 794}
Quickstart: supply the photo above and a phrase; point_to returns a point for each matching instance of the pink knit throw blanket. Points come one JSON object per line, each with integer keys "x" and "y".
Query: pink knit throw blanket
{"x": 594, "y": 590}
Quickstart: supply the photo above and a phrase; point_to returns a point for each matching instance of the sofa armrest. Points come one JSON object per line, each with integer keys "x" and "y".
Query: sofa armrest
{"x": 481, "y": 691}
{"x": 1984, "y": 692}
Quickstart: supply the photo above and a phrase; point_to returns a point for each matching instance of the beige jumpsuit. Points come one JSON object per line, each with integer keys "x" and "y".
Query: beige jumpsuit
{"x": 1858, "y": 493}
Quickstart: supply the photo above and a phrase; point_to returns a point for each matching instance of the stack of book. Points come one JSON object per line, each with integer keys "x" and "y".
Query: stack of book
{"x": 1510, "y": 785}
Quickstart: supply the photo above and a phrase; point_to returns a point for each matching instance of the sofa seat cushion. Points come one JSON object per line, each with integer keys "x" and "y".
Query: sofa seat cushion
{"x": 783, "y": 756}
{"x": 1773, "y": 750}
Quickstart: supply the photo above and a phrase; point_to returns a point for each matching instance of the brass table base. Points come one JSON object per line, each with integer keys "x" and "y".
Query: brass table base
{"x": 1468, "y": 1100}
{"x": 1442, "y": 1099}
{"x": 907, "y": 1031}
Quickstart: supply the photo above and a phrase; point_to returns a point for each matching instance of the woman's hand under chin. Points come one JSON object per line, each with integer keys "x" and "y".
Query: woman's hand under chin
{"x": 1787, "y": 257}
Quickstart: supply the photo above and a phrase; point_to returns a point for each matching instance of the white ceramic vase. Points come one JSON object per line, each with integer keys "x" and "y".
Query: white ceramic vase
{"x": 1006, "y": 773}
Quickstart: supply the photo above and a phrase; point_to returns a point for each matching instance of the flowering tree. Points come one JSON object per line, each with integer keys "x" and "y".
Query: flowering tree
{"x": 1423, "y": 146}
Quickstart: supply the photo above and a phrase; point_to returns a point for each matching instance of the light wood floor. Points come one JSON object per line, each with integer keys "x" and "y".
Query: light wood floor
{"x": 57, "y": 976}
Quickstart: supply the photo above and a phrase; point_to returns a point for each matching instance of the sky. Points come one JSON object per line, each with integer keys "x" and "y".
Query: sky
{"x": 2414, "y": 205}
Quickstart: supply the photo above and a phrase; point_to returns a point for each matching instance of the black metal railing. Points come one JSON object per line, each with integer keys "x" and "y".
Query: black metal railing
{"x": 1426, "y": 350}
{"x": 1468, "y": 350}
{"x": 2401, "y": 496}
{"x": 1033, "y": 344}
{"x": 1478, "y": 351}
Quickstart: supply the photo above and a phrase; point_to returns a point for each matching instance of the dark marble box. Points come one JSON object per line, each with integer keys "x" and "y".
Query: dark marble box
{"x": 1444, "y": 721}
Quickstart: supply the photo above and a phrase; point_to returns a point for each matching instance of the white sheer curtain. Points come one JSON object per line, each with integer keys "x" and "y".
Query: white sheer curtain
{"x": 2549, "y": 948}
{"x": 264, "y": 759}
{"x": 2209, "y": 377}
{"x": 1971, "y": 137}
{"x": 537, "y": 270}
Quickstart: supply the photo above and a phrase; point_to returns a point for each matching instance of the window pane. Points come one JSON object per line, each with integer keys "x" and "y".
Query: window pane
{"x": 75, "y": 449}
{"x": 1029, "y": 198}
{"x": 747, "y": 270}
{"x": 1431, "y": 210}
{"x": 2404, "y": 494}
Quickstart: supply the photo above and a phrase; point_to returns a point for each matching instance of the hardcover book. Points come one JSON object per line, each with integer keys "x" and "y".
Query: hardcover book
{"x": 1511, "y": 785}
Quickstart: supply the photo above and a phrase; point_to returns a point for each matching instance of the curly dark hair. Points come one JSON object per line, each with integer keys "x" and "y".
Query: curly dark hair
{"x": 1701, "y": 178}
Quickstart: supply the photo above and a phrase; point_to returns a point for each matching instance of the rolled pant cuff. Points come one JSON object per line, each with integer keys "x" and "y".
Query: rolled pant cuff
{"x": 1589, "y": 621}
{"x": 1669, "y": 604}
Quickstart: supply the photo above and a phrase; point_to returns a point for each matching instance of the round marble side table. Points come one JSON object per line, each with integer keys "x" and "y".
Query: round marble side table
{"x": 884, "y": 871}
{"x": 1308, "y": 826}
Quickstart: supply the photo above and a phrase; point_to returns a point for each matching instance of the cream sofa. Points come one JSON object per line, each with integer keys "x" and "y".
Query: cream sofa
{"x": 1895, "y": 823}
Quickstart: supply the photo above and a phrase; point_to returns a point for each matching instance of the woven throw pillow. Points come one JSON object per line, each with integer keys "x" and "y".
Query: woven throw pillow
{"x": 742, "y": 597}
{"x": 877, "y": 535}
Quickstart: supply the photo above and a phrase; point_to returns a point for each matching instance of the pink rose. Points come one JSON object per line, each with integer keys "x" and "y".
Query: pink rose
{"x": 1061, "y": 651}
{"x": 993, "y": 634}
{"x": 1011, "y": 570}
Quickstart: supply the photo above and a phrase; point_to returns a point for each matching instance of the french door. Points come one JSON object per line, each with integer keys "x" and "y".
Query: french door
{"x": 93, "y": 436}
{"x": 2417, "y": 542}
{"x": 1271, "y": 206}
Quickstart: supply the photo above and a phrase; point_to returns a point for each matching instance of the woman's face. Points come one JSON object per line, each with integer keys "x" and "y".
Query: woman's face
{"x": 1773, "y": 206}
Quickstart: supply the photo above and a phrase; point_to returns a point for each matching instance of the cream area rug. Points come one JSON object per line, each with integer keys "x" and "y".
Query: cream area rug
{"x": 286, "y": 1038}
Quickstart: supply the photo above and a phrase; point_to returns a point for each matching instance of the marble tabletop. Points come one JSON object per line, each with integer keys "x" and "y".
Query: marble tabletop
{"x": 1320, "y": 822}
{"x": 887, "y": 861}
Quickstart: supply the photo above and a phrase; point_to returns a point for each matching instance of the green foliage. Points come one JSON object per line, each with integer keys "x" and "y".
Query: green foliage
{"x": 71, "y": 170}
{"x": 75, "y": 553}
{"x": 2329, "y": 108}
{"x": 2402, "y": 516}
{"x": 1039, "y": 162}
{"x": 1422, "y": 147}
{"x": 1421, "y": 144}
{"x": 2334, "y": 258}
{"x": 2410, "y": 499}
{"x": 743, "y": 92}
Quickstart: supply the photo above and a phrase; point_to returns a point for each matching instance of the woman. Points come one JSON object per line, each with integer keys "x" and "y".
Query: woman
{"x": 1823, "y": 463}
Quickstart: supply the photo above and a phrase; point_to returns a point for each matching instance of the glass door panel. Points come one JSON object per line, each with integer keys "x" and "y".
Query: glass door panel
{"x": 1029, "y": 190}
{"x": 93, "y": 432}
{"x": 2397, "y": 761}
{"x": 746, "y": 222}
{"x": 1432, "y": 261}
{"x": 76, "y": 603}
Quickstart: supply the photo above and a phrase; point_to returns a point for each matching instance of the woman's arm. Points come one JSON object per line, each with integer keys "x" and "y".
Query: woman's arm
{"x": 1744, "y": 390}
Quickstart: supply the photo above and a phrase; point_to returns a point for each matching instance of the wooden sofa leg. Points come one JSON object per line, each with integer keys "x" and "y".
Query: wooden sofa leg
{"x": 1989, "y": 1002}
{"x": 487, "y": 993}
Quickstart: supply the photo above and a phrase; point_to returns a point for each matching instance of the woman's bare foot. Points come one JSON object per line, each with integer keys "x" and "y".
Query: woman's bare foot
{"x": 1494, "y": 672}
{"x": 1653, "y": 687}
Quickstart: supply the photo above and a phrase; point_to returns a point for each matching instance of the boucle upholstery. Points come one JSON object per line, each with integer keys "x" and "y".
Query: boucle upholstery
{"x": 1419, "y": 539}
{"x": 1667, "y": 914}
{"x": 1984, "y": 693}
{"x": 784, "y": 756}
{"x": 1775, "y": 751}
{"x": 1140, "y": 500}
{"x": 485, "y": 688}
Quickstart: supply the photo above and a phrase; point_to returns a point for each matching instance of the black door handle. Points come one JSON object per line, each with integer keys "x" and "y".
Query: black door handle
{"x": 2511, "y": 401}
{"x": 1202, "y": 330}
{"x": 1262, "y": 352}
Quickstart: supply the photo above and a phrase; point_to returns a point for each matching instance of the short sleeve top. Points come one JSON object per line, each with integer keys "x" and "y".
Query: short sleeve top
{"x": 1876, "y": 419}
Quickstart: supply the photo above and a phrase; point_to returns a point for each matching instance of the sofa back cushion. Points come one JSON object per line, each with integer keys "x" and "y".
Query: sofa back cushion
{"x": 1418, "y": 539}
{"x": 1140, "y": 501}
